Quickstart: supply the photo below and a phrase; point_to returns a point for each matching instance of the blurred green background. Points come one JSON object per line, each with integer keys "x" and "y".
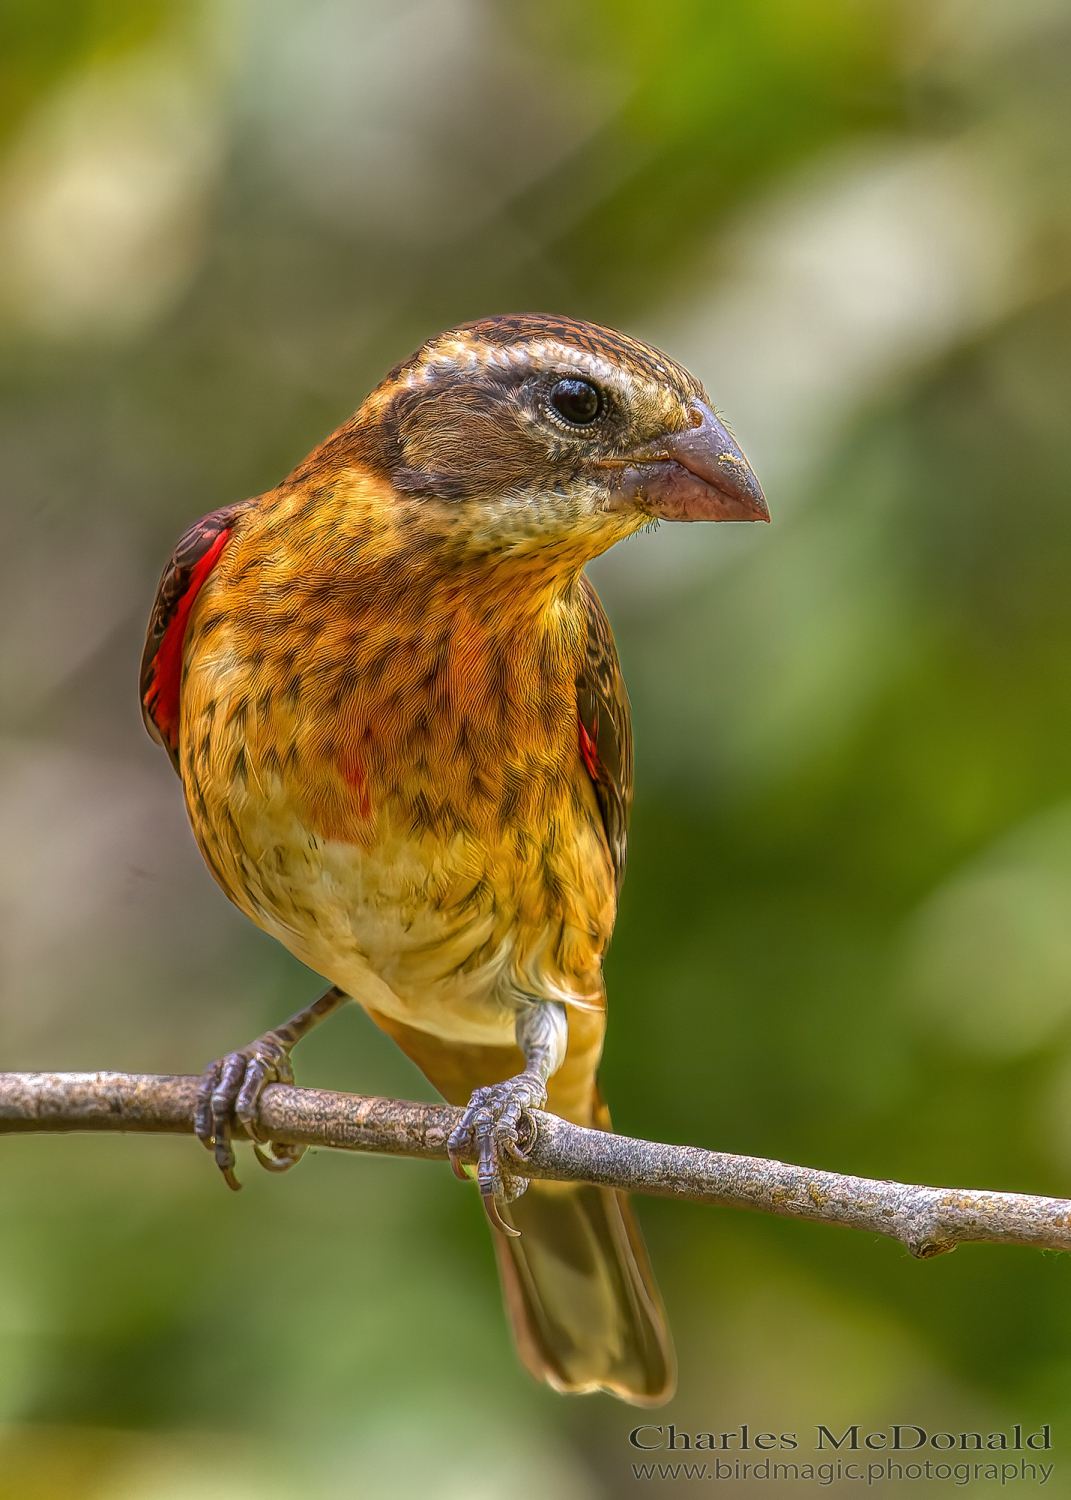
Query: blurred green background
{"x": 845, "y": 938}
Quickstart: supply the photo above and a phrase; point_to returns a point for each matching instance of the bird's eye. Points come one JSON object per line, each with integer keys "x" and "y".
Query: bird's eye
{"x": 578, "y": 401}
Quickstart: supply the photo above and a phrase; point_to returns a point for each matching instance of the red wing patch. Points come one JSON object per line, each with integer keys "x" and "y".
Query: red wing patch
{"x": 589, "y": 753}
{"x": 161, "y": 697}
{"x": 604, "y": 731}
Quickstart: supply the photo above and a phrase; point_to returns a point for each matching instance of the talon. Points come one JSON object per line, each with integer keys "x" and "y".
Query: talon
{"x": 224, "y": 1154}
{"x": 231, "y": 1088}
{"x": 281, "y": 1159}
{"x": 496, "y": 1119}
{"x": 491, "y": 1205}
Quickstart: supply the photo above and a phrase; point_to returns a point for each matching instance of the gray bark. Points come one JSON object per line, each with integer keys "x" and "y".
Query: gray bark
{"x": 928, "y": 1220}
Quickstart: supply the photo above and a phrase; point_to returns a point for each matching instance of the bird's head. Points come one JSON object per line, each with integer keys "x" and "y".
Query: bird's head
{"x": 532, "y": 429}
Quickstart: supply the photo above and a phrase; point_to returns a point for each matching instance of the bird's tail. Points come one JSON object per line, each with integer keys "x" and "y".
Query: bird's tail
{"x": 579, "y": 1291}
{"x": 578, "y": 1285}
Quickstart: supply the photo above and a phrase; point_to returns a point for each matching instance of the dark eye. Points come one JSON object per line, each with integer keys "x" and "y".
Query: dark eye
{"x": 578, "y": 401}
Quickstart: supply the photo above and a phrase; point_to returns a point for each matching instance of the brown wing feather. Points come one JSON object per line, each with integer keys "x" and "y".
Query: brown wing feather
{"x": 605, "y": 720}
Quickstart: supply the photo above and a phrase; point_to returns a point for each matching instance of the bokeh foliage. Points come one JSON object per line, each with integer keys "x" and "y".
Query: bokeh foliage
{"x": 44, "y": 41}
{"x": 716, "y": 99}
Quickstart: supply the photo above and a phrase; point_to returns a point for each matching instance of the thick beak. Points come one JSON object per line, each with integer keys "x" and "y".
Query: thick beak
{"x": 695, "y": 475}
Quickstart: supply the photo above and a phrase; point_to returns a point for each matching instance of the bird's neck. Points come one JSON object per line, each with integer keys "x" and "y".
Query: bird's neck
{"x": 361, "y": 533}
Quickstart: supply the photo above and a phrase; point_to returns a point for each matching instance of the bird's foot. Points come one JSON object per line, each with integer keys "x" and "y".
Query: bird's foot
{"x": 496, "y": 1125}
{"x": 231, "y": 1088}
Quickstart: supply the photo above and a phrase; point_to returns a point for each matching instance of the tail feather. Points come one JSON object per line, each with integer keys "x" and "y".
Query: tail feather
{"x": 579, "y": 1291}
{"x": 578, "y": 1286}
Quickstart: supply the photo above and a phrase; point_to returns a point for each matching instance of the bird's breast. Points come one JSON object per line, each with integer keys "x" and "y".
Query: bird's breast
{"x": 393, "y": 784}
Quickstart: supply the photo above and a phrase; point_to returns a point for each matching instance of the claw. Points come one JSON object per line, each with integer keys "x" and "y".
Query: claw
{"x": 493, "y": 1122}
{"x": 282, "y": 1158}
{"x": 490, "y": 1203}
{"x": 230, "y": 1089}
{"x": 229, "y": 1178}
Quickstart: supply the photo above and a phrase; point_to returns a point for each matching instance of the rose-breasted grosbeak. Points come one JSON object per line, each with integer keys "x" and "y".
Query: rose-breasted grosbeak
{"x": 395, "y": 705}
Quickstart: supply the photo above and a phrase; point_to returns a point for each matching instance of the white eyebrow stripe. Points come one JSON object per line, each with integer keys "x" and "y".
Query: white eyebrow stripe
{"x": 460, "y": 356}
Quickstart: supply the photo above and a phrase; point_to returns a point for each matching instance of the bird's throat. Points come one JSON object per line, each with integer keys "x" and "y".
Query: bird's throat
{"x": 412, "y": 680}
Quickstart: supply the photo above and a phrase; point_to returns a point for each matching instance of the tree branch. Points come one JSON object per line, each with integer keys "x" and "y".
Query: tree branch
{"x": 927, "y": 1220}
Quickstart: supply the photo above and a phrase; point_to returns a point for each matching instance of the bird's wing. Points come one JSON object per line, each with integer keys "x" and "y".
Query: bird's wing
{"x": 194, "y": 557}
{"x": 605, "y": 728}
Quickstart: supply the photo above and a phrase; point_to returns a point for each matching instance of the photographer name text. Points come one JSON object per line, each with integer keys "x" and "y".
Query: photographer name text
{"x": 899, "y": 1437}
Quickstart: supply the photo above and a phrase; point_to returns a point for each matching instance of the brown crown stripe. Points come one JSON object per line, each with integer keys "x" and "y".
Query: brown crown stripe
{"x": 590, "y": 338}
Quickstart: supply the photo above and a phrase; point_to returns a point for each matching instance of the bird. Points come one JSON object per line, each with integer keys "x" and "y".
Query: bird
{"x": 394, "y": 702}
